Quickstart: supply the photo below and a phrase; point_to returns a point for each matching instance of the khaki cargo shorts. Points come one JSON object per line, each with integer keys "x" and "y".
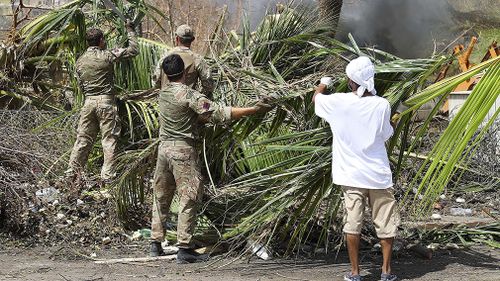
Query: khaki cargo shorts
{"x": 385, "y": 214}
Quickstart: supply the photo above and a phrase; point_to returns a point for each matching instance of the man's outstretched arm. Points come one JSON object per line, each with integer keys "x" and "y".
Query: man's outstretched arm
{"x": 210, "y": 112}
{"x": 240, "y": 112}
{"x": 133, "y": 47}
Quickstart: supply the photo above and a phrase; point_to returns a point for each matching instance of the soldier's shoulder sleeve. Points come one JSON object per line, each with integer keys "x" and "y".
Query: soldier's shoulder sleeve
{"x": 205, "y": 74}
{"x": 78, "y": 66}
{"x": 202, "y": 105}
{"x": 199, "y": 102}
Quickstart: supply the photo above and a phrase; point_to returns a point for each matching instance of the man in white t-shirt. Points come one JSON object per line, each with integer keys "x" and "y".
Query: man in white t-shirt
{"x": 360, "y": 124}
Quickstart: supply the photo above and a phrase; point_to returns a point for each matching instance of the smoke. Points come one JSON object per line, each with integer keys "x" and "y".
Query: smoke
{"x": 407, "y": 28}
{"x": 255, "y": 10}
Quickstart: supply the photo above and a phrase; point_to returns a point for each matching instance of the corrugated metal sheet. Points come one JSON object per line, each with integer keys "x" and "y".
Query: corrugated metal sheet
{"x": 457, "y": 99}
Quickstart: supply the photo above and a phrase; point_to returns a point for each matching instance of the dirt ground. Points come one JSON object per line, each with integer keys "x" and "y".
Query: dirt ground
{"x": 477, "y": 263}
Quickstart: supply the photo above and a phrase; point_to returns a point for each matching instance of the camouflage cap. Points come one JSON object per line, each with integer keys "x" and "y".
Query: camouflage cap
{"x": 184, "y": 31}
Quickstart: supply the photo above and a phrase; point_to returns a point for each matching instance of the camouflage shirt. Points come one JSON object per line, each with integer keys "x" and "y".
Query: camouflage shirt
{"x": 180, "y": 108}
{"x": 195, "y": 66}
{"x": 95, "y": 69}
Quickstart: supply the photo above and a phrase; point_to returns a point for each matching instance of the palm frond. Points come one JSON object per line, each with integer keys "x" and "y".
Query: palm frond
{"x": 454, "y": 146}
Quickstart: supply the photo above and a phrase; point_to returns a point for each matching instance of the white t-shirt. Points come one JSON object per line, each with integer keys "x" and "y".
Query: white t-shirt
{"x": 360, "y": 128}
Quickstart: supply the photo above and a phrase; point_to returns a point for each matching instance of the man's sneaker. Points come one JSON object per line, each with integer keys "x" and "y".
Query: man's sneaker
{"x": 388, "y": 277}
{"x": 190, "y": 256}
{"x": 350, "y": 277}
{"x": 156, "y": 249}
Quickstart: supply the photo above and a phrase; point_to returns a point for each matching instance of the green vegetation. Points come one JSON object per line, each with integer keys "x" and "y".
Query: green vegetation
{"x": 269, "y": 176}
{"x": 486, "y": 36}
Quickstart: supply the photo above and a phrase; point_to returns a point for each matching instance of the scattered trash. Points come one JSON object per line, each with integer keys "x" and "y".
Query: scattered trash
{"x": 451, "y": 246}
{"x": 320, "y": 251}
{"x": 436, "y": 217}
{"x": 433, "y": 246}
{"x": 55, "y": 203}
{"x": 140, "y": 234}
{"x": 437, "y": 206}
{"x": 105, "y": 194}
{"x": 79, "y": 202}
{"x": 170, "y": 250}
{"x": 60, "y": 216}
{"x": 48, "y": 194}
{"x": 398, "y": 245}
{"x": 460, "y": 200}
{"x": 260, "y": 250}
{"x": 164, "y": 244}
{"x": 421, "y": 251}
{"x": 93, "y": 255}
{"x": 460, "y": 212}
{"x": 136, "y": 236}
{"x": 442, "y": 197}
{"x": 106, "y": 240}
{"x": 146, "y": 233}
{"x": 419, "y": 196}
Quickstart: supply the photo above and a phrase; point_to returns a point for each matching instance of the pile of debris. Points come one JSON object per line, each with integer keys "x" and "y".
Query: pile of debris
{"x": 24, "y": 158}
{"x": 30, "y": 164}
{"x": 480, "y": 176}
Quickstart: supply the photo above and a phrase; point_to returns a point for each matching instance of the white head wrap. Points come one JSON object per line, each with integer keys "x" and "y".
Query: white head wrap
{"x": 362, "y": 72}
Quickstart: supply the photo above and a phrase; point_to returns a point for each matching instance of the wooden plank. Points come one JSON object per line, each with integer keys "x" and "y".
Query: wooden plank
{"x": 135, "y": 260}
{"x": 447, "y": 221}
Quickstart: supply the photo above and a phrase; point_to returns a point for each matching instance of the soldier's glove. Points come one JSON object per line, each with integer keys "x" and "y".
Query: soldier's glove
{"x": 327, "y": 81}
{"x": 264, "y": 105}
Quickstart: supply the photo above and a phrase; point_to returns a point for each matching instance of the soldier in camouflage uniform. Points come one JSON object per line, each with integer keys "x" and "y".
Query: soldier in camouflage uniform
{"x": 195, "y": 66}
{"x": 95, "y": 73}
{"x": 182, "y": 110}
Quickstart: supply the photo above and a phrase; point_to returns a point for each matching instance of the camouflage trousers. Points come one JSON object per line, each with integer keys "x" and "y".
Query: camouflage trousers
{"x": 97, "y": 113}
{"x": 177, "y": 167}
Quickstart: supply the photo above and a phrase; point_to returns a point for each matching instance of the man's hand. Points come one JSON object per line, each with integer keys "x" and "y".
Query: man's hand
{"x": 324, "y": 84}
{"x": 320, "y": 89}
{"x": 327, "y": 81}
{"x": 264, "y": 105}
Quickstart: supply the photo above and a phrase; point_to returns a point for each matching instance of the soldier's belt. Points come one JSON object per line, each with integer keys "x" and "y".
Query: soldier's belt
{"x": 178, "y": 142}
{"x": 102, "y": 97}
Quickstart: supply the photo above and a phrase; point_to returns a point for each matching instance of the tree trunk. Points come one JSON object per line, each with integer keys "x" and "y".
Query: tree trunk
{"x": 330, "y": 13}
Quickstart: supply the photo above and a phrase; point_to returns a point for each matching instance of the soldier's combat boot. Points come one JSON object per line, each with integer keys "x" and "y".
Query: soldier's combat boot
{"x": 156, "y": 249}
{"x": 190, "y": 256}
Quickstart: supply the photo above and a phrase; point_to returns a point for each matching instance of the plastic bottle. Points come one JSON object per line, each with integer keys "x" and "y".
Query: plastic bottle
{"x": 460, "y": 212}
